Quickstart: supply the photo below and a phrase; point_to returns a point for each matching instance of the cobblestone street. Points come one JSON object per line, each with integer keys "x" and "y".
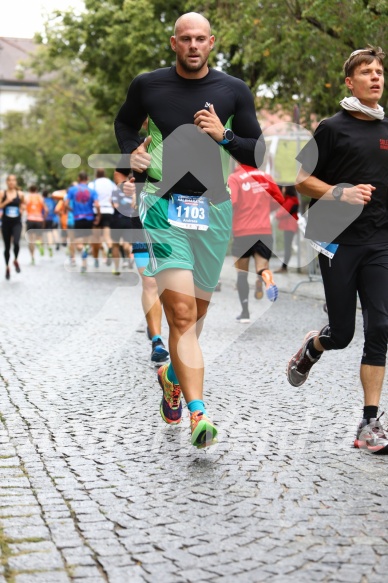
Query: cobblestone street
{"x": 96, "y": 488}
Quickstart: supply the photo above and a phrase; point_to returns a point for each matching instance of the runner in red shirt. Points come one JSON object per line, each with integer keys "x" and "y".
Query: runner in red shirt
{"x": 254, "y": 194}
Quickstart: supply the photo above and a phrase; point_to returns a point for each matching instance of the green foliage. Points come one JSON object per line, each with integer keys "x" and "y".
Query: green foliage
{"x": 295, "y": 48}
{"x": 288, "y": 51}
{"x": 116, "y": 40}
{"x": 63, "y": 120}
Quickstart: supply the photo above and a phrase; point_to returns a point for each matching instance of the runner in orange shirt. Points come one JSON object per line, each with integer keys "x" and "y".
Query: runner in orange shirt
{"x": 36, "y": 214}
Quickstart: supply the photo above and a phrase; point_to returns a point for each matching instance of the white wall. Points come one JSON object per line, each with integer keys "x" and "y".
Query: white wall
{"x": 16, "y": 99}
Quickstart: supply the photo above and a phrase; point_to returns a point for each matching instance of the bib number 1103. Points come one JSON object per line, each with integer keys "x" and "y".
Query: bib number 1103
{"x": 191, "y": 212}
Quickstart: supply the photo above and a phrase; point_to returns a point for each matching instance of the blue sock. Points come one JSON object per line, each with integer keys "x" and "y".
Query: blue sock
{"x": 155, "y": 338}
{"x": 171, "y": 375}
{"x": 196, "y": 405}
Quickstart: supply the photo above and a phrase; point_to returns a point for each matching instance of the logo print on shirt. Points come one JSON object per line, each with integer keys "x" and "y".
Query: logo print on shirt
{"x": 207, "y": 105}
{"x": 82, "y": 196}
{"x": 246, "y": 186}
{"x": 383, "y": 144}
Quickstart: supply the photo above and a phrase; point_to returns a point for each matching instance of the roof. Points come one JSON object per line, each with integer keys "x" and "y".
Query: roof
{"x": 12, "y": 52}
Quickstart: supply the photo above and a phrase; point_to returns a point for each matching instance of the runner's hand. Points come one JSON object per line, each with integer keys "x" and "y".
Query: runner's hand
{"x": 360, "y": 194}
{"x": 129, "y": 188}
{"x": 209, "y": 122}
{"x": 140, "y": 159}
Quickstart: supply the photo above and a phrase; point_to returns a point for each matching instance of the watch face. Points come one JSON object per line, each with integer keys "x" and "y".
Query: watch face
{"x": 337, "y": 192}
{"x": 229, "y": 135}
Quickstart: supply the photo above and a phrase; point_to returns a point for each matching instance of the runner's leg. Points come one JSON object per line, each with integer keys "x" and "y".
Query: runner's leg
{"x": 6, "y": 231}
{"x": 242, "y": 267}
{"x": 151, "y": 303}
{"x": 177, "y": 291}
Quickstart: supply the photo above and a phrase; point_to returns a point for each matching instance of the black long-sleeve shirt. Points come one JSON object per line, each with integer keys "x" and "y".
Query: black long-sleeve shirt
{"x": 185, "y": 159}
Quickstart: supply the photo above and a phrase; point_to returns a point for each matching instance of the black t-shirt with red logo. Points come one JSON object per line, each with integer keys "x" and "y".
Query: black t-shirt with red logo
{"x": 351, "y": 151}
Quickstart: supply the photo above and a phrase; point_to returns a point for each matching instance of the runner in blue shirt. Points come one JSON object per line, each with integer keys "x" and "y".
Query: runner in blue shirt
{"x": 51, "y": 222}
{"x": 83, "y": 201}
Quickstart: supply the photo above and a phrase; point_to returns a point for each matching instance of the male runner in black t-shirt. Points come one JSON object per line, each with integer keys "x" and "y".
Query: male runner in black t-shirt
{"x": 198, "y": 117}
{"x": 352, "y": 169}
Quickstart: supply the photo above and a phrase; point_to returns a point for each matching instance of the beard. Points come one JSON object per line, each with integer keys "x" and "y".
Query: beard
{"x": 192, "y": 67}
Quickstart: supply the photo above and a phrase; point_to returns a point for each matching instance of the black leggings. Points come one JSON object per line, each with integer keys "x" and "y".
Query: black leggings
{"x": 363, "y": 270}
{"x": 11, "y": 230}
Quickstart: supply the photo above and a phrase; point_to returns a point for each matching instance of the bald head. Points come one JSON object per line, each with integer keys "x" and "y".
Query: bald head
{"x": 191, "y": 20}
{"x": 192, "y": 43}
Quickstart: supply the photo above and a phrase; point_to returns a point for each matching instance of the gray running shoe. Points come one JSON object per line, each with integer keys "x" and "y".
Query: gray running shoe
{"x": 300, "y": 364}
{"x": 372, "y": 437}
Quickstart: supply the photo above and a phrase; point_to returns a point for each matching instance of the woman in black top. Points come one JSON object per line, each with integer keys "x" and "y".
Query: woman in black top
{"x": 11, "y": 201}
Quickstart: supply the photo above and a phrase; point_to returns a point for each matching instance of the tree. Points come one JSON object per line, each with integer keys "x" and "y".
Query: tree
{"x": 297, "y": 47}
{"x": 116, "y": 40}
{"x": 62, "y": 121}
{"x": 292, "y": 48}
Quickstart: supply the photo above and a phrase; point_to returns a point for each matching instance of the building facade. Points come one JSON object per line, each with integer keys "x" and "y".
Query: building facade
{"x": 17, "y": 93}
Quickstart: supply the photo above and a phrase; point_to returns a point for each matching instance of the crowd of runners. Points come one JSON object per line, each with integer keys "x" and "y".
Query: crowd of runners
{"x": 96, "y": 222}
{"x": 173, "y": 205}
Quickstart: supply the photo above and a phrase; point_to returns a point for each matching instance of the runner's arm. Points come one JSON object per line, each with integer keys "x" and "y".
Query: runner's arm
{"x": 4, "y": 202}
{"x": 119, "y": 177}
{"x": 127, "y": 182}
{"x": 66, "y": 201}
{"x": 315, "y": 188}
{"x": 276, "y": 193}
{"x": 45, "y": 210}
{"x": 248, "y": 146}
{"x": 130, "y": 118}
{"x": 96, "y": 205}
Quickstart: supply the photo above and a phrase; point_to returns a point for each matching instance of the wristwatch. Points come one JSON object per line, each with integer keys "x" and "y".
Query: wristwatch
{"x": 227, "y": 137}
{"x": 337, "y": 192}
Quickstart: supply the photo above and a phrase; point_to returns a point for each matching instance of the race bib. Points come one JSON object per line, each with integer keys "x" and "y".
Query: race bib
{"x": 189, "y": 212}
{"x": 328, "y": 249}
{"x": 12, "y": 212}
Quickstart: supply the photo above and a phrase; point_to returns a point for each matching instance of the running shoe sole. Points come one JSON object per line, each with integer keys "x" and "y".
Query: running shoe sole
{"x": 157, "y": 365}
{"x": 272, "y": 293}
{"x": 243, "y": 320}
{"x": 293, "y": 359}
{"x": 271, "y": 289}
{"x": 375, "y": 449}
{"x": 204, "y": 435}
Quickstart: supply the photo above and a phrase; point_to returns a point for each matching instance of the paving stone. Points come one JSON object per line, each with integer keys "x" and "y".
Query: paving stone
{"x": 43, "y": 577}
{"x": 42, "y": 560}
{"x": 85, "y": 571}
{"x": 93, "y": 471}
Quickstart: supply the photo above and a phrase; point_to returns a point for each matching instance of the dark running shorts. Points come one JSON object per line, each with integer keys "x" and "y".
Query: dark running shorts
{"x": 105, "y": 221}
{"x": 248, "y": 245}
{"x": 83, "y": 228}
{"x": 34, "y": 225}
{"x": 121, "y": 228}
